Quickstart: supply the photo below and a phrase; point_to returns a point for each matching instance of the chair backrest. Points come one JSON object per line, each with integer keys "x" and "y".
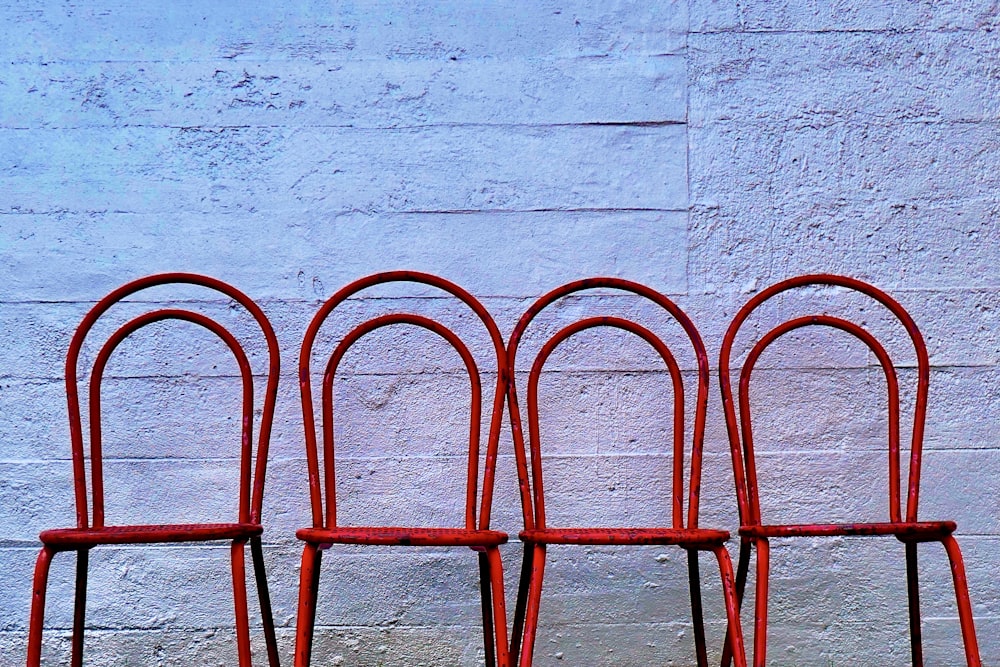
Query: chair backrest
{"x": 325, "y": 485}
{"x": 531, "y": 485}
{"x": 739, "y": 423}
{"x": 251, "y": 473}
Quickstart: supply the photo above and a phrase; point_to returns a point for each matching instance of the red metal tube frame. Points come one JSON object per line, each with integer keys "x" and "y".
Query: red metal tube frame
{"x": 89, "y": 534}
{"x": 537, "y": 535}
{"x": 475, "y": 534}
{"x": 755, "y": 532}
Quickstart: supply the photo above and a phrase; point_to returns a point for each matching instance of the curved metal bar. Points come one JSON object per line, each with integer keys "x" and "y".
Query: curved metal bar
{"x": 892, "y": 385}
{"x": 94, "y": 402}
{"x": 965, "y": 615}
{"x": 700, "y": 403}
{"x": 677, "y": 494}
{"x": 909, "y": 531}
{"x": 40, "y": 585}
{"x": 305, "y": 355}
{"x": 327, "y": 406}
{"x": 923, "y": 376}
{"x": 72, "y": 396}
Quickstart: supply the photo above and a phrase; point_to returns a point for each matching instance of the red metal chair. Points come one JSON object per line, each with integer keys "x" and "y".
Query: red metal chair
{"x": 537, "y": 535}
{"x": 91, "y": 533}
{"x": 475, "y": 534}
{"x": 755, "y": 532}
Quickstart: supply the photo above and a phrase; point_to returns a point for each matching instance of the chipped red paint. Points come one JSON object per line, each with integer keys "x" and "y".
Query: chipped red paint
{"x": 475, "y": 534}
{"x": 755, "y": 532}
{"x": 90, "y": 533}
{"x": 400, "y": 536}
{"x": 917, "y": 531}
{"x": 693, "y": 536}
{"x": 537, "y": 535}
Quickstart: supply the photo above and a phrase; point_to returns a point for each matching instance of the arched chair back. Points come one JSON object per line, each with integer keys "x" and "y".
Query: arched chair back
{"x": 322, "y": 484}
{"x": 683, "y": 529}
{"x": 739, "y": 424}
{"x": 252, "y": 468}
{"x": 474, "y": 532}
{"x": 91, "y": 529}
{"x": 533, "y": 504}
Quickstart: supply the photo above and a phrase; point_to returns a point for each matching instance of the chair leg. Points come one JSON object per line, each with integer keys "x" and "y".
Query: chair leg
{"x": 760, "y": 611}
{"x": 534, "y": 600}
{"x": 697, "y": 613}
{"x": 308, "y": 589}
{"x": 499, "y": 606}
{"x": 742, "y": 568}
{"x": 486, "y": 599}
{"x": 238, "y": 553}
{"x": 964, "y": 604}
{"x": 517, "y": 631}
{"x": 734, "y": 630}
{"x": 79, "y": 606}
{"x": 913, "y": 597}
{"x": 264, "y": 596}
{"x": 37, "y": 617}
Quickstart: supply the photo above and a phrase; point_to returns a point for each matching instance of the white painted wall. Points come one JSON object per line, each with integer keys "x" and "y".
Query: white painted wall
{"x": 704, "y": 148}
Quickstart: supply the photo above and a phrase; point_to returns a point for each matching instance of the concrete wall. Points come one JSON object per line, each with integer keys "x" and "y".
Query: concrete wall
{"x": 705, "y": 148}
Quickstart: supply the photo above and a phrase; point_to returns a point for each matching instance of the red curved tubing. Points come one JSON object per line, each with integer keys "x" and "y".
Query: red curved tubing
{"x": 94, "y": 403}
{"x": 327, "y": 406}
{"x": 536, "y": 535}
{"x": 482, "y": 539}
{"x": 700, "y": 404}
{"x": 923, "y": 377}
{"x": 892, "y": 385}
{"x": 73, "y": 357}
{"x": 85, "y": 535}
{"x": 909, "y": 531}
{"x": 920, "y": 531}
{"x": 305, "y": 355}
{"x": 534, "y": 438}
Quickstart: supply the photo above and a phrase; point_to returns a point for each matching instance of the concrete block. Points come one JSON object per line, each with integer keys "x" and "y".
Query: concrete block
{"x": 488, "y": 254}
{"x": 937, "y": 162}
{"x": 962, "y": 409}
{"x": 942, "y": 639}
{"x": 311, "y": 31}
{"x": 622, "y": 643}
{"x": 161, "y": 170}
{"x": 36, "y": 496}
{"x": 840, "y": 16}
{"x": 345, "y": 93}
{"x": 215, "y": 647}
{"x": 39, "y": 433}
{"x": 815, "y": 79}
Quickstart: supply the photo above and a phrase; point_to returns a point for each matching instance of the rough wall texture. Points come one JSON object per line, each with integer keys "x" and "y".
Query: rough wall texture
{"x": 704, "y": 148}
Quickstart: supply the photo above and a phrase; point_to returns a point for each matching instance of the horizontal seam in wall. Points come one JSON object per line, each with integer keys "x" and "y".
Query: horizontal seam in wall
{"x": 350, "y": 212}
{"x": 838, "y": 31}
{"x": 378, "y": 60}
{"x": 348, "y": 126}
{"x": 611, "y": 294}
{"x": 927, "y": 450}
{"x": 862, "y": 121}
{"x": 47, "y": 379}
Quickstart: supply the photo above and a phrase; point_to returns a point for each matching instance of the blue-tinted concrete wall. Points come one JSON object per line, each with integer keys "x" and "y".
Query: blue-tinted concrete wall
{"x": 704, "y": 148}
